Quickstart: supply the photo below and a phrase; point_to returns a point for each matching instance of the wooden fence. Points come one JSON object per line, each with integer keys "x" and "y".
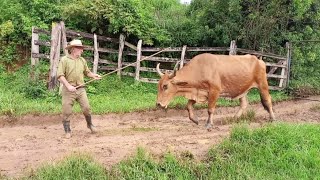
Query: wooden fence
{"x": 277, "y": 71}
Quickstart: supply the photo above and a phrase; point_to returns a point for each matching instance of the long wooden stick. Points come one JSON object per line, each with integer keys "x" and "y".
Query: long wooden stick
{"x": 124, "y": 67}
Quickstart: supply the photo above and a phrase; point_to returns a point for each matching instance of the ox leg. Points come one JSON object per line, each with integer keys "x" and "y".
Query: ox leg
{"x": 213, "y": 96}
{"x": 192, "y": 117}
{"x": 243, "y": 105}
{"x": 266, "y": 99}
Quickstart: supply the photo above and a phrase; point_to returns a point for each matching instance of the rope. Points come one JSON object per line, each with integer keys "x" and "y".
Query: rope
{"x": 123, "y": 67}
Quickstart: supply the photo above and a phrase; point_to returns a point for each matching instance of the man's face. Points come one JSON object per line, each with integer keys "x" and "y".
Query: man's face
{"x": 77, "y": 51}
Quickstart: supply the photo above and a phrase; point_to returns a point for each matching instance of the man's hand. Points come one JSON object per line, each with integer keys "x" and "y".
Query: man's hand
{"x": 96, "y": 76}
{"x": 72, "y": 88}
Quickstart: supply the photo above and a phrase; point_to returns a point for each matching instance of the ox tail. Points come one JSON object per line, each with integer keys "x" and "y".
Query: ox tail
{"x": 264, "y": 103}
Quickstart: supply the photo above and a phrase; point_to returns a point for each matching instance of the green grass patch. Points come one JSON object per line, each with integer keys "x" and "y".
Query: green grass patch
{"x": 144, "y": 166}
{"x": 76, "y": 166}
{"x": 280, "y": 151}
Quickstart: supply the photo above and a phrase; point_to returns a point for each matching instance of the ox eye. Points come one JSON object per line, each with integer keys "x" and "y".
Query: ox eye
{"x": 165, "y": 87}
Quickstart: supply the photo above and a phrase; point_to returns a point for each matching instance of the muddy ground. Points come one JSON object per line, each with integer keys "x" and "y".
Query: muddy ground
{"x": 28, "y": 142}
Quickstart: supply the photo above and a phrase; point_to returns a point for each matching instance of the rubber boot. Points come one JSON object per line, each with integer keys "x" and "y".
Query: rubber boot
{"x": 67, "y": 130}
{"x": 89, "y": 124}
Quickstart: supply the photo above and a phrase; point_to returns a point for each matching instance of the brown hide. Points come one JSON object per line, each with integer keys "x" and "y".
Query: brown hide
{"x": 232, "y": 76}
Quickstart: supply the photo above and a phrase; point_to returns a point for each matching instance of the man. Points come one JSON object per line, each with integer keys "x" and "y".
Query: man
{"x": 71, "y": 71}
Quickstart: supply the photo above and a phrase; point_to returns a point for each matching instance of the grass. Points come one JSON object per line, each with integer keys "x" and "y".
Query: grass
{"x": 20, "y": 96}
{"x": 275, "y": 151}
{"x": 76, "y": 166}
{"x": 280, "y": 151}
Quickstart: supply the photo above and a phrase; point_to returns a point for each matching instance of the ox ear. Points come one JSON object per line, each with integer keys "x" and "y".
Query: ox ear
{"x": 179, "y": 83}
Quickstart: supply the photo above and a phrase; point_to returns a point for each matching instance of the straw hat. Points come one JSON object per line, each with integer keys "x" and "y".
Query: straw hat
{"x": 75, "y": 43}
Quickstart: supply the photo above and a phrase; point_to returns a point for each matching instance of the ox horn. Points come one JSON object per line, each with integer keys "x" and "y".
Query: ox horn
{"x": 158, "y": 70}
{"x": 174, "y": 70}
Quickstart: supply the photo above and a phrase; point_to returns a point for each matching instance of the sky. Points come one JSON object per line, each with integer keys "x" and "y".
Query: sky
{"x": 185, "y": 1}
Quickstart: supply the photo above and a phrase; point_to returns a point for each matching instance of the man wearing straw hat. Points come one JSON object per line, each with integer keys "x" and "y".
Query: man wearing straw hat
{"x": 71, "y": 71}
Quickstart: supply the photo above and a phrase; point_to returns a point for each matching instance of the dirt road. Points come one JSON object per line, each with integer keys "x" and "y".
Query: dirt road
{"x": 29, "y": 141}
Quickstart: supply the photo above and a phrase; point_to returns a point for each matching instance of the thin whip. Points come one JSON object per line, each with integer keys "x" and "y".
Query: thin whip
{"x": 124, "y": 67}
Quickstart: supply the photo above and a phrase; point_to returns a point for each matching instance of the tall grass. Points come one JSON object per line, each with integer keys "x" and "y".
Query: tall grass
{"x": 276, "y": 151}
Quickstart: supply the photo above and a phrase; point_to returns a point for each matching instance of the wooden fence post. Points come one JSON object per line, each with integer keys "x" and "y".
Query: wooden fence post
{"x": 139, "y": 46}
{"x": 35, "y": 50}
{"x": 121, "y": 46}
{"x": 54, "y": 54}
{"x": 96, "y": 54}
{"x": 285, "y": 71}
{"x": 183, "y": 53}
{"x": 64, "y": 38}
{"x": 233, "y": 48}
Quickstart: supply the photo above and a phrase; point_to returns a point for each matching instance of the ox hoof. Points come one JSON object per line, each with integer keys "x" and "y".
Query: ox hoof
{"x": 209, "y": 127}
{"x": 195, "y": 120}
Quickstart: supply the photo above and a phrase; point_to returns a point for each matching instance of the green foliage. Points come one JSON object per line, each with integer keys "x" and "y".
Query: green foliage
{"x": 6, "y": 28}
{"x": 131, "y": 17}
{"x": 75, "y": 166}
{"x": 8, "y": 54}
{"x": 35, "y": 89}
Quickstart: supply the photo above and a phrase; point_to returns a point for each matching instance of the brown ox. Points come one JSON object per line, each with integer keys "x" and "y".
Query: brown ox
{"x": 207, "y": 77}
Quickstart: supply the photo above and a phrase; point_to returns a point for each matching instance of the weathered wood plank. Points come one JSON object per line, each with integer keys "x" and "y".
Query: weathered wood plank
{"x": 38, "y": 55}
{"x": 104, "y": 50}
{"x": 104, "y": 61}
{"x": 90, "y": 36}
{"x": 128, "y": 63}
{"x": 54, "y": 54}
{"x": 274, "y": 68}
{"x": 34, "y": 47}
{"x": 147, "y": 69}
{"x": 282, "y": 83}
{"x": 139, "y": 54}
{"x": 148, "y": 80}
{"x": 43, "y": 31}
{"x": 175, "y": 49}
{"x": 275, "y": 65}
{"x": 183, "y": 54}
{"x": 261, "y": 54}
{"x": 276, "y": 76}
{"x": 128, "y": 74}
{"x": 233, "y": 48}
{"x": 64, "y": 38}
{"x": 42, "y": 43}
{"x": 121, "y": 46}
{"x": 161, "y": 59}
{"x": 95, "y": 54}
{"x": 107, "y": 68}
{"x": 130, "y": 45}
